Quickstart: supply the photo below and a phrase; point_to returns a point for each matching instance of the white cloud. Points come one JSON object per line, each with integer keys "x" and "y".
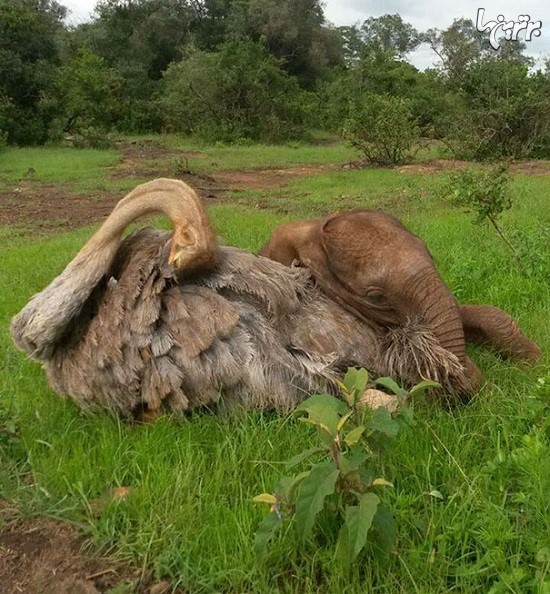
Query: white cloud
{"x": 425, "y": 14}
{"x": 79, "y": 10}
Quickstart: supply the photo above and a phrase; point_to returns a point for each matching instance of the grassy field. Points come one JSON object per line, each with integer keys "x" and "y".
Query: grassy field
{"x": 189, "y": 514}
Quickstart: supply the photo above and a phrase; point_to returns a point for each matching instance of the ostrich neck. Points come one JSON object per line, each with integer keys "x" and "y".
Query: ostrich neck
{"x": 144, "y": 201}
{"x": 41, "y": 324}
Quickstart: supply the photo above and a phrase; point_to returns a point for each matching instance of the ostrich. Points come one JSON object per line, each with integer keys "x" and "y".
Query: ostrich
{"x": 169, "y": 321}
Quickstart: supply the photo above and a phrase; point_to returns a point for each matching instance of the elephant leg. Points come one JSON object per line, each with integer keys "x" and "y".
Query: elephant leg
{"x": 487, "y": 325}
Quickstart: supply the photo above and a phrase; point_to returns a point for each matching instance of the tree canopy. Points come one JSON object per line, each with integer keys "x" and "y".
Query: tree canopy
{"x": 265, "y": 70}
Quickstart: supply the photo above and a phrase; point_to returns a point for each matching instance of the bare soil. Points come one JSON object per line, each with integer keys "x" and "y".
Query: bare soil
{"x": 50, "y": 208}
{"x": 45, "y": 556}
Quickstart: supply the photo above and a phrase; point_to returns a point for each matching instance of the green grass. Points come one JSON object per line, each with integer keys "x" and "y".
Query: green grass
{"x": 55, "y": 165}
{"x": 254, "y": 156}
{"x": 189, "y": 515}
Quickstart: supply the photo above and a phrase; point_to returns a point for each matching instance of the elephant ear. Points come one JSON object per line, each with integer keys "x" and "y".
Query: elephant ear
{"x": 348, "y": 242}
{"x": 314, "y": 258}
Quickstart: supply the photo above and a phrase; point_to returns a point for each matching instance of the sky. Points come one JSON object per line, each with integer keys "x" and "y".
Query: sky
{"x": 422, "y": 14}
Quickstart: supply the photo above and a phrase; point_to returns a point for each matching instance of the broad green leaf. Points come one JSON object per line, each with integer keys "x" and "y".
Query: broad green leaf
{"x": 382, "y": 421}
{"x": 343, "y": 552}
{"x": 295, "y": 460}
{"x": 343, "y": 420}
{"x": 265, "y": 498}
{"x": 318, "y": 484}
{"x": 390, "y": 384}
{"x": 435, "y": 493}
{"x": 325, "y": 410}
{"x": 322, "y": 401}
{"x": 265, "y": 531}
{"x": 354, "y": 435}
{"x": 383, "y": 525}
{"x": 421, "y": 387}
{"x": 356, "y": 380}
{"x": 351, "y": 461}
{"x": 358, "y": 522}
{"x": 324, "y": 429}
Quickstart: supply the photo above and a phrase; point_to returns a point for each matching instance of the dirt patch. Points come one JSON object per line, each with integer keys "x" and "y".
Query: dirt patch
{"x": 148, "y": 150}
{"x": 50, "y": 207}
{"x": 532, "y": 167}
{"x": 438, "y": 165}
{"x": 434, "y": 166}
{"x": 42, "y": 556}
{"x": 258, "y": 179}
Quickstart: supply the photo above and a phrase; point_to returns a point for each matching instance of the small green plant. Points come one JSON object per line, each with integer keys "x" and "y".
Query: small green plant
{"x": 343, "y": 476}
{"x": 486, "y": 193}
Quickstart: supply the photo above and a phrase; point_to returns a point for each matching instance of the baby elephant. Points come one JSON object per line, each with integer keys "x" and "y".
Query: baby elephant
{"x": 375, "y": 268}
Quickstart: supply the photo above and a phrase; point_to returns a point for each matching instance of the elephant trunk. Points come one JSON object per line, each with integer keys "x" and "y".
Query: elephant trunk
{"x": 435, "y": 304}
{"x": 484, "y": 324}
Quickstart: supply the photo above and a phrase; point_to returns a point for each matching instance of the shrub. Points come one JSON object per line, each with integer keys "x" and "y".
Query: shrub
{"x": 486, "y": 193}
{"x": 383, "y": 129}
{"x": 501, "y": 112}
{"x": 89, "y": 136}
{"x": 340, "y": 475}
{"x": 239, "y": 92}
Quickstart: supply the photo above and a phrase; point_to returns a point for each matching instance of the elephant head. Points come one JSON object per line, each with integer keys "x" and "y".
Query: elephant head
{"x": 376, "y": 268}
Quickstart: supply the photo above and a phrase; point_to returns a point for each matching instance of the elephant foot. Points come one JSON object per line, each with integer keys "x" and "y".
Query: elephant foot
{"x": 488, "y": 325}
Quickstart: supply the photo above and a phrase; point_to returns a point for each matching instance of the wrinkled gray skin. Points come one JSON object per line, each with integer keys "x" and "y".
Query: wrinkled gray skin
{"x": 172, "y": 321}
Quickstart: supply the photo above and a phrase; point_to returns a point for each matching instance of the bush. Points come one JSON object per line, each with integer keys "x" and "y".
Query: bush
{"x": 89, "y": 136}
{"x": 486, "y": 193}
{"x": 383, "y": 129}
{"x": 240, "y": 92}
{"x": 501, "y": 112}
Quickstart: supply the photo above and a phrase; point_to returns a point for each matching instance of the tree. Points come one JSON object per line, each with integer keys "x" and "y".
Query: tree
{"x": 389, "y": 34}
{"x": 239, "y": 92}
{"x": 28, "y": 62}
{"x": 461, "y": 45}
{"x": 295, "y": 32}
{"x": 87, "y": 89}
{"x": 458, "y": 47}
{"x": 503, "y": 111}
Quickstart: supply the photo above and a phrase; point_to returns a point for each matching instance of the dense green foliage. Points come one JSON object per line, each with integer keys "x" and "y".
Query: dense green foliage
{"x": 258, "y": 70}
{"x": 239, "y": 92}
